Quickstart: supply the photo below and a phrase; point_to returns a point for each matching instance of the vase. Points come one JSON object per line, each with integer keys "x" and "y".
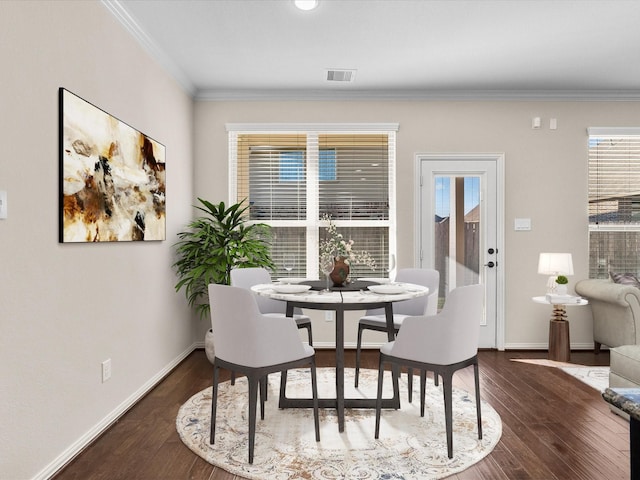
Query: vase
{"x": 340, "y": 272}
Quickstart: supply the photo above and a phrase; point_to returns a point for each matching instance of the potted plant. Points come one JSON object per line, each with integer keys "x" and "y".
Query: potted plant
{"x": 561, "y": 284}
{"x": 215, "y": 243}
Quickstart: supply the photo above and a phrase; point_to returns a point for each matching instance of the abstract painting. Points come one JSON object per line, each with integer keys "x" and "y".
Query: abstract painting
{"x": 112, "y": 177}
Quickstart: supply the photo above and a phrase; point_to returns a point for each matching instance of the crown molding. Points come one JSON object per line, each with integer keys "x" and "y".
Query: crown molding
{"x": 402, "y": 95}
{"x": 131, "y": 25}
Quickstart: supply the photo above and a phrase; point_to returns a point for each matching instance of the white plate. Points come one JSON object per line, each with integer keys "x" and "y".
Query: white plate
{"x": 291, "y": 280}
{"x": 288, "y": 288}
{"x": 387, "y": 289}
{"x": 374, "y": 279}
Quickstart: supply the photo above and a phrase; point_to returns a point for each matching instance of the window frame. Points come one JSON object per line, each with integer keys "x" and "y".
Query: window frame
{"x": 311, "y": 222}
{"x": 602, "y": 263}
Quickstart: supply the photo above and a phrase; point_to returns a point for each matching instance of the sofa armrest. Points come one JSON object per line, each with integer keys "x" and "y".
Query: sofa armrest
{"x": 606, "y": 291}
{"x": 614, "y": 304}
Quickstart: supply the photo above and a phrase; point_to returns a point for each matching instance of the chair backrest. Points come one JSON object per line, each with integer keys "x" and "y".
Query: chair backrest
{"x": 247, "y": 278}
{"x": 426, "y": 305}
{"x": 242, "y": 335}
{"x": 449, "y": 337}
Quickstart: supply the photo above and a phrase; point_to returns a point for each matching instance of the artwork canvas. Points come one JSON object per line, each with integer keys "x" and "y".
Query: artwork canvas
{"x": 112, "y": 177}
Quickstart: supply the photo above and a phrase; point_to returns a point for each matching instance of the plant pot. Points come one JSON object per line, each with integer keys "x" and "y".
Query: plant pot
{"x": 208, "y": 346}
{"x": 340, "y": 272}
{"x": 561, "y": 289}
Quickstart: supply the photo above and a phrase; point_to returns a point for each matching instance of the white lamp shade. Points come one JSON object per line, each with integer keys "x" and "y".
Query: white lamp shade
{"x": 555, "y": 264}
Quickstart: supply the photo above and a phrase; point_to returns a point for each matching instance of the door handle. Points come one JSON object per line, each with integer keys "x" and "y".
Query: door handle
{"x": 491, "y": 264}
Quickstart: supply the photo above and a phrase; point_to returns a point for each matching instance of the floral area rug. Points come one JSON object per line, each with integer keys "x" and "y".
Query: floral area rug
{"x": 409, "y": 447}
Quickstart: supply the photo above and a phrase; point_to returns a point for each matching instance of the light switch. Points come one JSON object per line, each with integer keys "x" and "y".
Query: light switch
{"x": 522, "y": 224}
{"x": 3, "y": 204}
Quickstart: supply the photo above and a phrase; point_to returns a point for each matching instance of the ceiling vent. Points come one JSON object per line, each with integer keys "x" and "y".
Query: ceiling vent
{"x": 335, "y": 75}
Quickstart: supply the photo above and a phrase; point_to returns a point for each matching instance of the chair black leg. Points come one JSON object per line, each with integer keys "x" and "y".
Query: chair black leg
{"x": 283, "y": 384}
{"x": 233, "y": 378}
{"x": 214, "y": 404}
{"x": 263, "y": 395}
{"x": 308, "y": 327}
{"x": 253, "y": 400}
{"x": 358, "y": 348}
{"x": 478, "y": 412}
{"x": 410, "y": 384}
{"x": 314, "y": 393}
{"x": 447, "y": 388}
{"x": 423, "y": 390}
{"x": 379, "y": 396}
{"x": 266, "y": 385}
{"x": 395, "y": 378}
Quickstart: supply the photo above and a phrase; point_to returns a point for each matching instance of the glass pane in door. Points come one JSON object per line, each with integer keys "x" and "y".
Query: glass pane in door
{"x": 457, "y": 231}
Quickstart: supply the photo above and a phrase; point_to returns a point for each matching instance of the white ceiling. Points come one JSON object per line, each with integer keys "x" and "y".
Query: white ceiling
{"x": 564, "y": 49}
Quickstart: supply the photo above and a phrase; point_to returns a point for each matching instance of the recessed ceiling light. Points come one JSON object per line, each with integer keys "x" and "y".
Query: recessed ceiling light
{"x": 306, "y": 4}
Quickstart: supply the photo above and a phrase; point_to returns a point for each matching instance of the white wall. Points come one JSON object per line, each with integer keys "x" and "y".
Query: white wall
{"x": 64, "y": 308}
{"x": 546, "y": 180}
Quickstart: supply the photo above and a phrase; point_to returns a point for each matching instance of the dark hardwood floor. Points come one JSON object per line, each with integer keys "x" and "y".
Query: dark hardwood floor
{"x": 554, "y": 427}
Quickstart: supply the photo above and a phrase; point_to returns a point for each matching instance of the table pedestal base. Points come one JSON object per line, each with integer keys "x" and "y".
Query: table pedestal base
{"x": 559, "y": 345}
{"x": 340, "y": 402}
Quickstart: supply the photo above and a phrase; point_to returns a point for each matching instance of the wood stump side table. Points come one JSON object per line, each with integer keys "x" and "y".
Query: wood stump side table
{"x": 559, "y": 343}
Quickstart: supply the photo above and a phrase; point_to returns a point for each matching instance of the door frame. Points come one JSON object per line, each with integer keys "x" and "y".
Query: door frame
{"x": 499, "y": 159}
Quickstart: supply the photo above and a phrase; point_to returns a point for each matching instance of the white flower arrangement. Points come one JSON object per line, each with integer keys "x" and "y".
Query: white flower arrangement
{"x": 336, "y": 246}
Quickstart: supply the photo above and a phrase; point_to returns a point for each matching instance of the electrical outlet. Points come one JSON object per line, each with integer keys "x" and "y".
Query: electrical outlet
{"x": 106, "y": 370}
{"x": 328, "y": 316}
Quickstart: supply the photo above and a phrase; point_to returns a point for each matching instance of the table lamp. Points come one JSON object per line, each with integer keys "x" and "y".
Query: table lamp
{"x": 554, "y": 264}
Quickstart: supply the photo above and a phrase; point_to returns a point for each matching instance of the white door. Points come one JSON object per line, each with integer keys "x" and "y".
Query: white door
{"x": 460, "y": 232}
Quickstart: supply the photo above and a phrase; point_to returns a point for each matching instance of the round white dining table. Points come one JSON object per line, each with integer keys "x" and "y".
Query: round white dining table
{"x": 355, "y": 296}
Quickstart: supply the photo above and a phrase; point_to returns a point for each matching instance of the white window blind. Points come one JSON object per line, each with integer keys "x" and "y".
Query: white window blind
{"x": 614, "y": 201}
{"x": 293, "y": 178}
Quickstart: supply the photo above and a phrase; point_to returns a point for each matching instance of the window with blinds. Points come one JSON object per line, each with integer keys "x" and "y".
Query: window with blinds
{"x": 293, "y": 179}
{"x": 614, "y": 201}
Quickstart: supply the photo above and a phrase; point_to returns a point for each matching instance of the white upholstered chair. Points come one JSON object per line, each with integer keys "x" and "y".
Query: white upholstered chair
{"x": 248, "y": 277}
{"x": 248, "y": 342}
{"x": 443, "y": 343}
{"x": 427, "y": 305}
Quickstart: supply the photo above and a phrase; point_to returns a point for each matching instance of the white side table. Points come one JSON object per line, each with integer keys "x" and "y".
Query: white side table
{"x": 559, "y": 343}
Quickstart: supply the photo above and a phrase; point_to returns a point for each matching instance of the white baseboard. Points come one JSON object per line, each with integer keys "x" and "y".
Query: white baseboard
{"x": 76, "y": 447}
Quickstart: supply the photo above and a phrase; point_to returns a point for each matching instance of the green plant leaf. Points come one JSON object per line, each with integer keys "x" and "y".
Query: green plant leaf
{"x": 213, "y": 244}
